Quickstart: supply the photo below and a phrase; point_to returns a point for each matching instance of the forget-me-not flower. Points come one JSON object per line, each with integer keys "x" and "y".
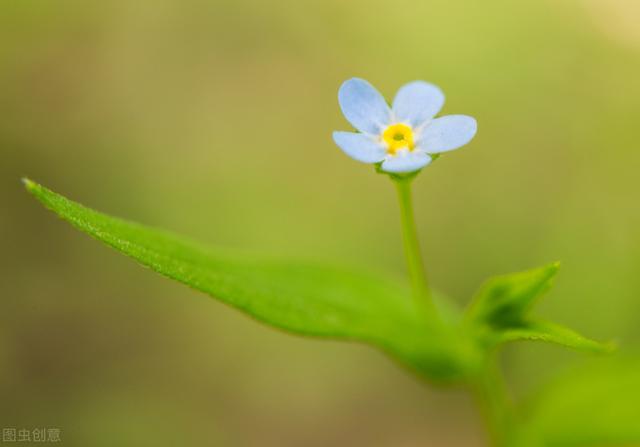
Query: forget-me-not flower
{"x": 402, "y": 138}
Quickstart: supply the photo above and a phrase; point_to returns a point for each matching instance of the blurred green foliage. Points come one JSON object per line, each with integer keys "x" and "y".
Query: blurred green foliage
{"x": 595, "y": 404}
{"x": 221, "y": 112}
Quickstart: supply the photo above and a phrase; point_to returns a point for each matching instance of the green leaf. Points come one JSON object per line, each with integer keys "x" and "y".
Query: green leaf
{"x": 302, "y": 298}
{"x": 501, "y": 311}
{"x": 505, "y": 300}
{"x": 595, "y": 405}
{"x": 538, "y": 330}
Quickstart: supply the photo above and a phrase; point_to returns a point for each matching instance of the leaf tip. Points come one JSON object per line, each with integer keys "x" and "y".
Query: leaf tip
{"x": 29, "y": 184}
{"x": 604, "y": 347}
{"x": 550, "y": 270}
{"x": 609, "y": 347}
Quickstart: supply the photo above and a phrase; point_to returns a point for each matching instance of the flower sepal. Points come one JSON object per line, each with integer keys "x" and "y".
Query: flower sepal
{"x": 397, "y": 176}
{"x": 402, "y": 175}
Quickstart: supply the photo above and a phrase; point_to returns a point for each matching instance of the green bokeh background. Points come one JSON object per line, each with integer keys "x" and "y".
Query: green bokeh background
{"x": 214, "y": 119}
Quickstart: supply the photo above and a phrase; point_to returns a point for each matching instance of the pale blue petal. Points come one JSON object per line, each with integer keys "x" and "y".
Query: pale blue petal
{"x": 360, "y": 147}
{"x": 363, "y": 106}
{"x": 417, "y": 102}
{"x": 447, "y": 133}
{"x": 406, "y": 162}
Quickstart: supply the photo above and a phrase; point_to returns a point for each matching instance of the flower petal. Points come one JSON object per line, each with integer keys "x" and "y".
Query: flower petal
{"x": 363, "y": 106}
{"x": 447, "y": 133}
{"x": 405, "y": 161}
{"x": 360, "y": 147}
{"x": 417, "y": 102}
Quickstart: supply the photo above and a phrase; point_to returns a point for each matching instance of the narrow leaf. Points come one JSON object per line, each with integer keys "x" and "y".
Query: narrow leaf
{"x": 506, "y": 299}
{"x": 538, "y": 330}
{"x": 303, "y": 298}
{"x": 501, "y": 312}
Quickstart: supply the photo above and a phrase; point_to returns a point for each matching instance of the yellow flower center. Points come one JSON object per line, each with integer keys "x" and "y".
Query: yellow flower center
{"x": 398, "y": 136}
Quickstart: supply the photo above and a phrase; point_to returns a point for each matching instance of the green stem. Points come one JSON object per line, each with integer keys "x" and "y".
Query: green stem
{"x": 417, "y": 274}
{"x": 494, "y": 400}
{"x": 488, "y": 386}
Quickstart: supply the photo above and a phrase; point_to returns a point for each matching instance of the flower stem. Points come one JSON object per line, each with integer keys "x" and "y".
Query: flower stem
{"x": 494, "y": 401}
{"x": 417, "y": 274}
{"x": 488, "y": 384}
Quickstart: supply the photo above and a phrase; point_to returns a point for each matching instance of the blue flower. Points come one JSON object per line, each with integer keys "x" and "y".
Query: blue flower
{"x": 404, "y": 137}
